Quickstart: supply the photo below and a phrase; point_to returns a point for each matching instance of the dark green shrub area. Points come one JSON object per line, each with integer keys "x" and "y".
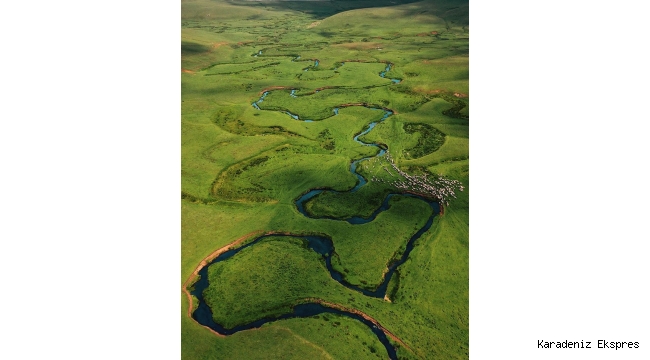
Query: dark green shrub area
{"x": 430, "y": 139}
{"x": 456, "y": 110}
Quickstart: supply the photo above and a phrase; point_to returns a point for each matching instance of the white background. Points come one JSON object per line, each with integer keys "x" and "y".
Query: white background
{"x": 90, "y": 156}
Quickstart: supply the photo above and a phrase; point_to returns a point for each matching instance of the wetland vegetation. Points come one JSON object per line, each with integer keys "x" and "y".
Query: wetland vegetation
{"x": 318, "y": 140}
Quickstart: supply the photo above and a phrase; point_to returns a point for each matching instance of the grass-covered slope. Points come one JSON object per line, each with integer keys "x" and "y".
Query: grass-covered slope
{"x": 242, "y": 169}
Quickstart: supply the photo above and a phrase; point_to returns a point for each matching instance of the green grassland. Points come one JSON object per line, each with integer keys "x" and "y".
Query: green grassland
{"x": 242, "y": 169}
{"x": 300, "y": 338}
{"x": 364, "y": 251}
{"x": 345, "y": 205}
{"x": 320, "y": 105}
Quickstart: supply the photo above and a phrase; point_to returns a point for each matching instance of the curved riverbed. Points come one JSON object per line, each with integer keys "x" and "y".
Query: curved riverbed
{"x": 321, "y": 244}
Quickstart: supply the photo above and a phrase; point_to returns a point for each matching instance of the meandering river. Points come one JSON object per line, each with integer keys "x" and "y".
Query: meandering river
{"x": 321, "y": 245}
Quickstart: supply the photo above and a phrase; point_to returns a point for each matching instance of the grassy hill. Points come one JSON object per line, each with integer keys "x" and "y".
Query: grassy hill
{"x": 243, "y": 167}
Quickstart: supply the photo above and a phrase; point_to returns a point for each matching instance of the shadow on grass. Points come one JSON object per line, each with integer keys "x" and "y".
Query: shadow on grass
{"x": 322, "y": 8}
{"x": 454, "y": 11}
{"x": 191, "y": 48}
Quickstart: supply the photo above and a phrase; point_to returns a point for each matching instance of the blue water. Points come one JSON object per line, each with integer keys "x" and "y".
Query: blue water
{"x": 383, "y": 73}
{"x": 295, "y": 117}
{"x": 261, "y": 99}
{"x": 316, "y": 62}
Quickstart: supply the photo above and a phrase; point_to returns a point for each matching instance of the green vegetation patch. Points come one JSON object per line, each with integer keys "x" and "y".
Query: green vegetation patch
{"x": 283, "y": 175}
{"x": 266, "y": 280}
{"x": 325, "y": 330}
{"x": 234, "y": 120}
{"x": 364, "y": 251}
{"x": 222, "y": 69}
{"x": 430, "y": 139}
{"x": 344, "y": 205}
{"x": 320, "y": 105}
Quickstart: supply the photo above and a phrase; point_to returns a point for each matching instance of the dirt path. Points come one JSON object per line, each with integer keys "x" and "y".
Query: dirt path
{"x": 306, "y": 342}
{"x": 274, "y": 88}
{"x": 313, "y": 25}
{"x": 363, "y": 315}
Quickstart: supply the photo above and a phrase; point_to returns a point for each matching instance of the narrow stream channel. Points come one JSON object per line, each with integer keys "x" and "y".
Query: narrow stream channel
{"x": 321, "y": 245}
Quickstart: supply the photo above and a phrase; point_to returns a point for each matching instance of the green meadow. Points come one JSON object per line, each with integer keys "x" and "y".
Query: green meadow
{"x": 244, "y": 166}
